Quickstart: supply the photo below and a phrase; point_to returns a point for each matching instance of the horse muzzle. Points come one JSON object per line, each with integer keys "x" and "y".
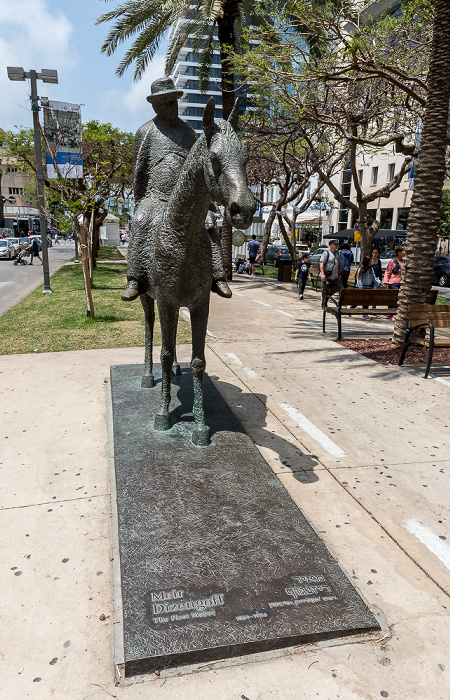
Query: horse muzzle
{"x": 241, "y": 210}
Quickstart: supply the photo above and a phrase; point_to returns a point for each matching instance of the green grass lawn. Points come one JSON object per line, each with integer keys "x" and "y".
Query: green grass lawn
{"x": 57, "y": 322}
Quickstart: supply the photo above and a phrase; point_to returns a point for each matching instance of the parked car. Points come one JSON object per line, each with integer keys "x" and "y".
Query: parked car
{"x": 276, "y": 253}
{"x": 315, "y": 257}
{"x": 6, "y": 249}
{"x": 302, "y": 248}
{"x": 441, "y": 271}
{"x": 385, "y": 258}
{"x": 15, "y": 242}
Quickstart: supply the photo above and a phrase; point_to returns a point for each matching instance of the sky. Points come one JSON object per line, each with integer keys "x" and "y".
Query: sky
{"x": 61, "y": 34}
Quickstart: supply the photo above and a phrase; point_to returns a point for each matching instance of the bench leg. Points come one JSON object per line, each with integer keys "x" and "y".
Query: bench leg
{"x": 403, "y": 353}
{"x": 338, "y": 317}
{"x": 323, "y": 320}
{"x": 430, "y": 352}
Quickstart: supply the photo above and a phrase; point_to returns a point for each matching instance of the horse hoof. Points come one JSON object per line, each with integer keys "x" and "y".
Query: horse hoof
{"x": 176, "y": 369}
{"x": 201, "y": 437}
{"x": 162, "y": 422}
{"x": 147, "y": 381}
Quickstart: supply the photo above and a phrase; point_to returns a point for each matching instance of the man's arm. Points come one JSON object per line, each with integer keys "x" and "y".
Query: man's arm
{"x": 323, "y": 276}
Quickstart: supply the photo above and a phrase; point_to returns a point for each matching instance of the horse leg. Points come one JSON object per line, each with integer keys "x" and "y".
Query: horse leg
{"x": 148, "y": 304}
{"x": 168, "y": 320}
{"x": 175, "y": 367}
{"x": 199, "y": 322}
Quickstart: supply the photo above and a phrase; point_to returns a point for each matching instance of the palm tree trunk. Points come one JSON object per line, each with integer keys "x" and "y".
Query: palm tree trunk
{"x": 424, "y": 218}
{"x": 227, "y": 41}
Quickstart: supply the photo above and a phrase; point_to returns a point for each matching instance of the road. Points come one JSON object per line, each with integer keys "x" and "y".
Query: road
{"x": 16, "y": 281}
{"x": 443, "y": 291}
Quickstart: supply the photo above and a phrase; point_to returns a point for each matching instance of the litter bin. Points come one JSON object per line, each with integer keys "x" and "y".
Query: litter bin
{"x": 284, "y": 271}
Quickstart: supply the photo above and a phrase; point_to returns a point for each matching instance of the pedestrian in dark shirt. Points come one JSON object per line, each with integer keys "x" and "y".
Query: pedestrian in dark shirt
{"x": 34, "y": 248}
{"x": 302, "y": 274}
{"x": 254, "y": 253}
{"x": 347, "y": 260}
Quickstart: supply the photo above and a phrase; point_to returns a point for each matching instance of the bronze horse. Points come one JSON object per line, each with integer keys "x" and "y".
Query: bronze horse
{"x": 177, "y": 258}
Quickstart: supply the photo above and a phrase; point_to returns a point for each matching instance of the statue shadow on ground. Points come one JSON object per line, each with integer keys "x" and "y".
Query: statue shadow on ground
{"x": 249, "y": 416}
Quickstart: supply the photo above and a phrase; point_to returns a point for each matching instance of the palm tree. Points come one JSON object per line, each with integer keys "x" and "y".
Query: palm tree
{"x": 426, "y": 203}
{"x": 147, "y": 21}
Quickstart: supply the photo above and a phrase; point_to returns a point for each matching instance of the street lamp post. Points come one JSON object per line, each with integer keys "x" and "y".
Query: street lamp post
{"x": 47, "y": 76}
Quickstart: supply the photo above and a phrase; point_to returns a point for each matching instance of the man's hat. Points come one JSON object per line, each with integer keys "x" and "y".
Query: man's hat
{"x": 333, "y": 241}
{"x": 163, "y": 87}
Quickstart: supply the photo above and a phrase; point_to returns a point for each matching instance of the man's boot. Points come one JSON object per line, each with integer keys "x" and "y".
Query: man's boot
{"x": 221, "y": 288}
{"x": 131, "y": 291}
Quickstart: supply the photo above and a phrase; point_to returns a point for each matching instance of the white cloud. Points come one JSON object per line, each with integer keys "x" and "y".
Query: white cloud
{"x": 33, "y": 36}
{"x": 131, "y": 102}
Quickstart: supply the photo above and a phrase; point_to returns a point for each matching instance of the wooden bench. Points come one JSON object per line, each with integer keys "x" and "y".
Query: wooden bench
{"x": 384, "y": 300}
{"x": 426, "y": 317}
{"x": 361, "y": 297}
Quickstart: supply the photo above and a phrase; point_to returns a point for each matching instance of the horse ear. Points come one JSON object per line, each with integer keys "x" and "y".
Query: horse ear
{"x": 208, "y": 119}
{"x": 234, "y": 116}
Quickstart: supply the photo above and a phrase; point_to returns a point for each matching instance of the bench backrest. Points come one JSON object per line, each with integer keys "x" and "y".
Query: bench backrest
{"x": 315, "y": 269}
{"x": 439, "y": 316}
{"x": 368, "y": 297}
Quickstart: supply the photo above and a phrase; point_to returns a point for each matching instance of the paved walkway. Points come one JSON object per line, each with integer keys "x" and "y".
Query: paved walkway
{"x": 362, "y": 449}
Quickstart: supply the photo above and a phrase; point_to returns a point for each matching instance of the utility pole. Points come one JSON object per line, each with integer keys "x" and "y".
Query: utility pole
{"x": 47, "y": 76}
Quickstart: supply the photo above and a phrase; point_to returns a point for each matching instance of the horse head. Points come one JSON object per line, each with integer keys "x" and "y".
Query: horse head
{"x": 225, "y": 167}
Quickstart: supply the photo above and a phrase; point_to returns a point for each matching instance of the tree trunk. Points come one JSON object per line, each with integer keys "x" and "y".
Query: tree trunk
{"x": 266, "y": 234}
{"x": 227, "y": 41}
{"x": 424, "y": 218}
{"x": 365, "y": 231}
{"x": 291, "y": 248}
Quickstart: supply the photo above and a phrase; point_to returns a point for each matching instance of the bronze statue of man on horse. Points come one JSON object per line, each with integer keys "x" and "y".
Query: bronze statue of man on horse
{"x": 161, "y": 146}
{"x": 175, "y": 255}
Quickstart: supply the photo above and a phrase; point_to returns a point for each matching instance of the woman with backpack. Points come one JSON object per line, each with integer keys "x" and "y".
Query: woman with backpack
{"x": 365, "y": 278}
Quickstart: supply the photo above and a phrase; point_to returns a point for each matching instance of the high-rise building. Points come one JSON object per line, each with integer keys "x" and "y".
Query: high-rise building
{"x": 185, "y": 77}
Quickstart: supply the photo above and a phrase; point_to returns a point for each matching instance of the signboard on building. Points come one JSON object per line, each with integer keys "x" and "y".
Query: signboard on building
{"x": 62, "y": 131}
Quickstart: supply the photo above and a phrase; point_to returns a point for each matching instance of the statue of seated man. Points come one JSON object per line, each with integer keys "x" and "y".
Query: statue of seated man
{"x": 160, "y": 149}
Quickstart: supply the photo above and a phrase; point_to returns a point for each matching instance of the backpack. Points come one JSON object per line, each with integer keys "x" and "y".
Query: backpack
{"x": 327, "y": 274}
{"x": 397, "y": 267}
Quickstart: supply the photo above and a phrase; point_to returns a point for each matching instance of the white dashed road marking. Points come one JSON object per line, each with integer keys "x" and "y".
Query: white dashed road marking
{"x": 263, "y": 303}
{"x": 313, "y": 325}
{"x": 237, "y": 293}
{"x": 439, "y": 379}
{"x": 234, "y": 358}
{"x": 308, "y": 427}
{"x": 285, "y": 313}
{"x": 187, "y": 316}
{"x": 423, "y": 533}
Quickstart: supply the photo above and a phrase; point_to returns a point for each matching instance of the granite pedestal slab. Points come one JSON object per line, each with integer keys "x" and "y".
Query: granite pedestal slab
{"x": 216, "y": 558}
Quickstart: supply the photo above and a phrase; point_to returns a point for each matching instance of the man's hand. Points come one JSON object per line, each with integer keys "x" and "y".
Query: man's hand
{"x": 323, "y": 277}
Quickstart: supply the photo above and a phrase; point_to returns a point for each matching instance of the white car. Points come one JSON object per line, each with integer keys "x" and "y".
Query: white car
{"x": 302, "y": 248}
{"x": 6, "y": 249}
{"x": 15, "y": 242}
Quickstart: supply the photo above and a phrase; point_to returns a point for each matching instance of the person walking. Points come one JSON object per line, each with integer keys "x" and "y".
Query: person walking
{"x": 302, "y": 274}
{"x": 393, "y": 273}
{"x": 365, "y": 278}
{"x": 347, "y": 260}
{"x": 34, "y": 250}
{"x": 56, "y": 238}
{"x": 330, "y": 271}
{"x": 254, "y": 251}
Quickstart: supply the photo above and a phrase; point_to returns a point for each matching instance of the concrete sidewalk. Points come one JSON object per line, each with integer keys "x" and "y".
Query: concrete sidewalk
{"x": 360, "y": 447}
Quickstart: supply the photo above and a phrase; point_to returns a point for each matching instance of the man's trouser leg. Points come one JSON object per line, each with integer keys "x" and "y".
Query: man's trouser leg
{"x": 220, "y": 285}
{"x": 329, "y": 287}
{"x": 134, "y": 257}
